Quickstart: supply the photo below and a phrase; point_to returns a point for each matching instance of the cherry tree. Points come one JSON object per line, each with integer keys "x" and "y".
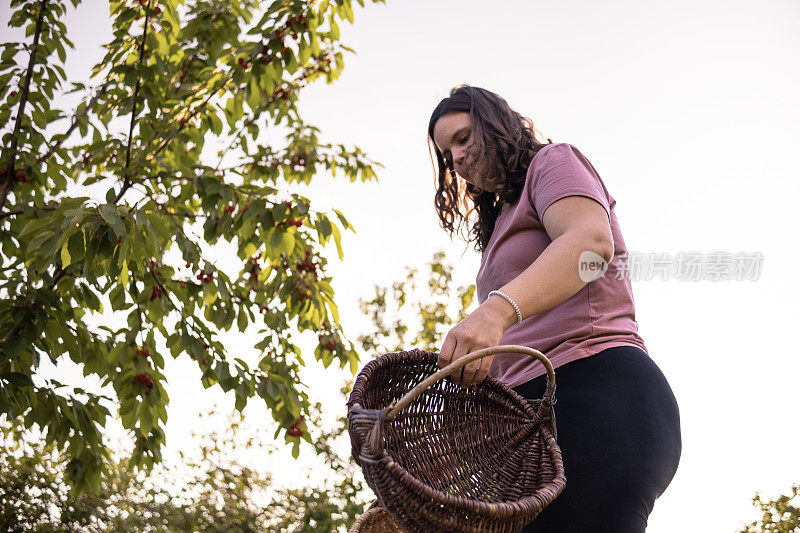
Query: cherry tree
{"x": 122, "y": 278}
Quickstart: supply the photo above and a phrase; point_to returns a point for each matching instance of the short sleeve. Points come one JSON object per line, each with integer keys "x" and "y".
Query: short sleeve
{"x": 563, "y": 171}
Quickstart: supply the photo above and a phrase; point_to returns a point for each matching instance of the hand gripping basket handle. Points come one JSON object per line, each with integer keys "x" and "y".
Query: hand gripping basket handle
{"x": 549, "y": 393}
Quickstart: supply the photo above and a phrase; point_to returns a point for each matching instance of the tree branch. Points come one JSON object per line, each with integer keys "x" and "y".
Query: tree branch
{"x": 127, "y": 181}
{"x": 194, "y": 113}
{"x": 19, "y": 211}
{"x": 8, "y": 182}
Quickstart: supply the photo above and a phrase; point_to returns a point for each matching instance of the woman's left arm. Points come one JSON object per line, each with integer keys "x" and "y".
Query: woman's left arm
{"x": 575, "y": 224}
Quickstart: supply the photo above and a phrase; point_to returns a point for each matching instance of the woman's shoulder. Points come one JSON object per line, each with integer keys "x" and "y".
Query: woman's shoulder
{"x": 556, "y": 149}
{"x": 554, "y": 155}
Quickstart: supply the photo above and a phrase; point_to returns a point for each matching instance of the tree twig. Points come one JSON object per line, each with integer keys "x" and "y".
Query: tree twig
{"x": 19, "y": 211}
{"x": 8, "y": 182}
{"x": 127, "y": 181}
{"x": 194, "y": 113}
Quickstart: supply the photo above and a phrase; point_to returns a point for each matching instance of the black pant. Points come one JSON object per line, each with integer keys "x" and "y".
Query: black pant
{"x": 619, "y": 433}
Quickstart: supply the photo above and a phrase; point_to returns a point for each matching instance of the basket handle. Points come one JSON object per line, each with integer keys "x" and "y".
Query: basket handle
{"x": 549, "y": 393}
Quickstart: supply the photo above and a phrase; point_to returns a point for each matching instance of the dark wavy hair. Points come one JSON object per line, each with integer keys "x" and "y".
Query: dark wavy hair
{"x": 505, "y": 143}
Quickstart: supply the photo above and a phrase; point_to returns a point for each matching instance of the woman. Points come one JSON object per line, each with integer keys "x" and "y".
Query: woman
{"x": 542, "y": 219}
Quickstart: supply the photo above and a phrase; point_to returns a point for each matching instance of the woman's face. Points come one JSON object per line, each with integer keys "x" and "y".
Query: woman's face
{"x": 452, "y": 135}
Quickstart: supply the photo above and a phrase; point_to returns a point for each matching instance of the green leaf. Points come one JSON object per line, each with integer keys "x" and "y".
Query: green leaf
{"x": 337, "y": 238}
{"x": 282, "y": 241}
{"x": 109, "y": 214}
{"x": 117, "y": 297}
{"x": 65, "y": 257}
{"x": 324, "y": 228}
{"x": 209, "y": 293}
{"x": 17, "y": 378}
{"x": 345, "y": 223}
{"x": 123, "y": 274}
{"x": 254, "y": 94}
{"x": 334, "y": 33}
{"x": 216, "y": 123}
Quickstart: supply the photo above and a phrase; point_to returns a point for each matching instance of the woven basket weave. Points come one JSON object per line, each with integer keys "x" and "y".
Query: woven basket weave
{"x": 445, "y": 458}
{"x": 376, "y": 519}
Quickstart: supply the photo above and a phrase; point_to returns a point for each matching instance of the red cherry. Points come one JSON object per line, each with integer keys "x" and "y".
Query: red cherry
{"x": 157, "y": 10}
{"x": 188, "y": 265}
{"x": 330, "y": 345}
{"x": 13, "y": 94}
{"x": 183, "y": 285}
{"x": 205, "y": 361}
{"x": 183, "y": 122}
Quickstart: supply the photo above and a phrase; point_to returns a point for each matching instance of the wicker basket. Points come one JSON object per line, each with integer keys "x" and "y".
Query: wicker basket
{"x": 376, "y": 519}
{"x": 475, "y": 459}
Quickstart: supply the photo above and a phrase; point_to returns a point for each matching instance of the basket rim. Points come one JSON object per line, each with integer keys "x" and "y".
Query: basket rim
{"x": 421, "y": 354}
{"x": 501, "y": 510}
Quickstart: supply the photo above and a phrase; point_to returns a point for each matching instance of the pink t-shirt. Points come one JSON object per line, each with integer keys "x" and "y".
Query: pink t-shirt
{"x": 600, "y": 315}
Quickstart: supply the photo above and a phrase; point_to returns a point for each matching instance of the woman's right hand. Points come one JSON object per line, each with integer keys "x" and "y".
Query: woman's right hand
{"x": 483, "y": 328}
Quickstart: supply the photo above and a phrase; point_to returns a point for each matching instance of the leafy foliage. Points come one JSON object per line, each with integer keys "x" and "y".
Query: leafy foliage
{"x": 220, "y": 493}
{"x": 428, "y": 300}
{"x": 118, "y": 280}
{"x": 779, "y": 515}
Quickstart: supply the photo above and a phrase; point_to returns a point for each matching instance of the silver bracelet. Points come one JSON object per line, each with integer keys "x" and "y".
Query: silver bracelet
{"x": 513, "y": 304}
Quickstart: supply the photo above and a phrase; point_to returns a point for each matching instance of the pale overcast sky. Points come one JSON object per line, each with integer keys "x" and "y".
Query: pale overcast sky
{"x": 688, "y": 110}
